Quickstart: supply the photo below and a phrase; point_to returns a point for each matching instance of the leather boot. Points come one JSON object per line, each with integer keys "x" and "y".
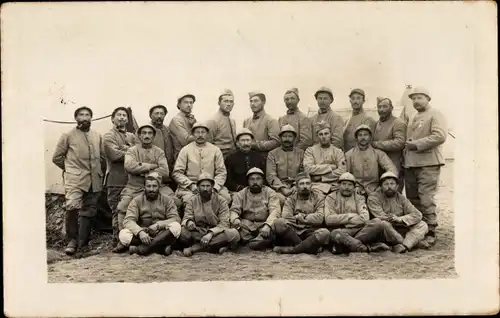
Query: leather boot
{"x": 84, "y": 231}
{"x": 291, "y": 237}
{"x": 351, "y": 243}
{"x": 309, "y": 245}
{"x": 71, "y": 224}
{"x": 219, "y": 241}
{"x": 119, "y": 248}
{"x": 189, "y": 251}
{"x": 162, "y": 239}
{"x": 378, "y": 247}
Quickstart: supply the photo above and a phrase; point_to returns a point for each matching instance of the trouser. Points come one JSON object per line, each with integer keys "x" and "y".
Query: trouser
{"x": 222, "y": 239}
{"x": 306, "y": 240}
{"x": 158, "y": 243}
{"x": 355, "y": 239}
{"x": 81, "y": 208}
{"x": 250, "y": 234}
{"x": 421, "y": 185}
{"x": 408, "y": 236}
{"x": 185, "y": 195}
{"x": 113, "y": 200}
{"x": 401, "y": 177}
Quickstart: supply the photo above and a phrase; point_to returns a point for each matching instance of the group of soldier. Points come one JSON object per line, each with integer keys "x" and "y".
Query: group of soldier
{"x": 298, "y": 184}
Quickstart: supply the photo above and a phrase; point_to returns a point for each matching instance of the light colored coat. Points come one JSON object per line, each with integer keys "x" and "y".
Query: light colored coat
{"x": 324, "y": 165}
{"x": 180, "y": 127}
{"x": 258, "y": 208}
{"x": 163, "y": 139}
{"x": 136, "y": 156}
{"x": 265, "y": 130}
{"x": 336, "y": 125}
{"x": 283, "y": 166}
{"x": 213, "y": 214}
{"x": 350, "y": 126}
{"x": 382, "y": 207}
{"x": 313, "y": 208}
{"x": 345, "y": 212}
{"x": 302, "y": 125}
{"x": 390, "y": 137}
{"x": 116, "y": 144}
{"x": 222, "y": 131}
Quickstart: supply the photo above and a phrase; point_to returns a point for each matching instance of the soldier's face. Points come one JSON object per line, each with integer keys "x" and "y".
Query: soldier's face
{"x": 420, "y": 102}
{"x": 346, "y": 188}
{"x": 158, "y": 116}
{"x": 287, "y": 139}
{"x": 256, "y": 104}
{"x": 146, "y": 136}
{"x": 255, "y": 182}
{"x": 226, "y": 103}
{"x": 357, "y": 101}
{"x": 389, "y": 187}
{"x": 245, "y": 143}
{"x": 324, "y": 137}
{"x": 83, "y": 119}
{"x": 152, "y": 189}
{"x": 200, "y": 135}
{"x": 120, "y": 119}
{"x": 205, "y": 188}
{"x": 186, "y": 104}
{"x": 324, "y": 100}
{"x": 291, "y": 100}
{"x": 363, "y": 137}
{"x": 384, "y": 108}
{"x": 304, "y": 186}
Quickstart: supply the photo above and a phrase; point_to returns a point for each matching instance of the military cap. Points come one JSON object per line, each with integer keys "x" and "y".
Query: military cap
{"x": 322, "y": 126}
{"x": 154, "y": 176}
{"x": 357, "y": 91}
{"x": 244, "y": 131}
{"x": 347, "y": 176}
{"x": 157, "y": 106}
{"x": 362, "y": 127}
{"x": 288, "y": 128}
{"x": 205, "y": 176}
{"x": 302, "y": 175}
{"x": 144, "y": 126}
{"x": 323, "y": 90}
{"x": 255, "y": 170}
{"x": 293, "y": 90}
{"x": 381, "y": 99}
{"x": 226, "y": 92}
{"x": 83, "y": 108}
{"x": 420, "y": 90}
{"x": 185, "y": 95}
{"x": 388, "y": 175}
{"x": 198, "y": 125}
{"x": 255, "y": 93}
{"x": 117, "y": 109}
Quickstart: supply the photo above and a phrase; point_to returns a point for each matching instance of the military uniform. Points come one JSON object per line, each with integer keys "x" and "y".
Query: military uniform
{"x": 324, "y": 165}
{"x": 180, "y": 128}
{"x": 352, "y": 123}
{"x": 238, "y": 164}
{"x": 300, "y": 122}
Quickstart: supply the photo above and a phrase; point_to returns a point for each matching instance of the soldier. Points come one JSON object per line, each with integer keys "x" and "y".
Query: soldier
{"x": 390, "y": 135}
{"x": 347, "y": 216}
{"x": 222, "y": 127}
{"x": 116, "y": 142}
{"x": 264, "y": 128}
{"x": 358, "y": 117}
{"x": 163, "y": 137}
{"x": 324, "y": 162}
{"x": 197, "y": 156}
{"x": 284, "y": 163}
{"x": 152, "y": 223}
{"x": 205, "y": 226}
{"x": 423, "y": 158}
{"x": 79, "y": 153}
{"x": 238, "y": 163}
{"x": 297, "y": 119}
{"x": 365, "y": 162}
{"x": 181, "y": 125}
{"x": 402, "y": 222}
{"x": 326, "y": 116}
{"x": 302, "y": 218}
{"x": 254, "y": 210}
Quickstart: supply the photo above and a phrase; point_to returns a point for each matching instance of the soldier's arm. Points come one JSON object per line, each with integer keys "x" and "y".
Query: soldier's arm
{"x": 274, "y": 208}
{"x": 385, "y": 162}
{"x": 271, "y": 173}
{"x": 163, "y": 169}
{"x": 337, "y": 131}
{"x": 438, "y": 134}
{"x": 132, "y": 164}
{"x": 171, "y": 214}
{"x": 132, "y": 217}
{"x": 236, "y": 207}
{"x": 288, "y": 210}
{"x": 368, "y": 120}
{"x": 314, "y": 169}
{"x": 169, "y": 150}
{"x": 341, "y": 163}
{"x": 211, "y": 130}
{"x": 223, "y": 218}
{"x": 230, "y": 182}
{"x": 362, "y": 207}
{"x": 318, "y": 216}
{"x": 61, "y": 150}
{"x": 178, "y": 173}
{"x": 273, "y": 139}
{"x": 334, "y": 217}
{"x": 375, "y": 206}
{"x": 181, "y": 131}
{"x": 220, "y": 170}
{"x": 305, "y": 138}
{"x": 411, "y": 214}
{"x": 399, "y": 138}
{"x": 188, "y": 212}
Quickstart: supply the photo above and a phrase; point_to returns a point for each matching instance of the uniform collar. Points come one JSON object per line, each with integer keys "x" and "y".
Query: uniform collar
{"x": 224, "y": 114}
{"x": 292, "y": 111}
{"x": 120, "y": 131}
{"x": 259, "y": 114}
{"x": 321, "y": 111}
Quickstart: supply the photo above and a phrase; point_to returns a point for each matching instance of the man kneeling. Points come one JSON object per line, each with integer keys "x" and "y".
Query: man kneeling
{"x": 302, "y": 218}
{"x": 402, "y": 222}
{"x": 205, "y": 226}
{"x": 254, "y": 210}
{"x": 151, "y": 223}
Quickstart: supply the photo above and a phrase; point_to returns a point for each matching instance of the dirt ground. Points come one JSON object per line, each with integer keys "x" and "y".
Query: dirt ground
{"x": 247, "y": 265}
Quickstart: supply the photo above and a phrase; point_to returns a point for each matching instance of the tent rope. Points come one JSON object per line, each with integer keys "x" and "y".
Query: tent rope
{"x": 72, "y": 122}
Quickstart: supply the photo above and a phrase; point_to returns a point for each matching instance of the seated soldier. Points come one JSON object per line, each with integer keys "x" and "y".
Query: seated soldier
{"x": 324, "y": 162}
{"x": 140, "y": 160}
{"x": 254, "y": 210}
{"x": 284, "y": 163}
{"x": 365, "y": 162}
{"x": 402, "y": 222}
{"x": 300, "y": 226}
{"x": 347, "y": 216}
{"x": 151, "y": 223}
{"x": 197, "y": 157}
{"x": 205, "y": 226}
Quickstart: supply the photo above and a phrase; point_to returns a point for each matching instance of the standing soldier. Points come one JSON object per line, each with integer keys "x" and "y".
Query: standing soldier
{"x": 297, "y": 119}
{"x": 163, "y": 137}
{"x": 423, "y": 158}
{"x": 390, "y": 136}
{"x": 182, "y": 124}
{"x": 265, "y": 129}
{"x": 284, "y": 163}
{"x": 79, "y": 153}
{"x": 326, "y": 116}
{"x": 116, "y": 143}
{"x": 358, "y": 117}
{"x": 222, "y": 126}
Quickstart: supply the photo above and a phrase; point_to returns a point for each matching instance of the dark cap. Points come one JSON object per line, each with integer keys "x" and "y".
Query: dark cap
{"x": 357, "y": 91}
{"x": 157, "y": 106}
{"x": 83, "y": 108}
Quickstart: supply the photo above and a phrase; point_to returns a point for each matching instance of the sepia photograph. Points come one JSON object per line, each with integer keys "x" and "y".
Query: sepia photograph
{"x": 285, "y": 149}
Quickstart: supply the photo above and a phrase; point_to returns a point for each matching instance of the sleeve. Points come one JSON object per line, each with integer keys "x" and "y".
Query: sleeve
{"x": 171, "y": 214}
{"x": 348, "y": 163}
{"x": 230, "y": 181}
{"x": 375, "y": 206}
{"x": 314, "y": 169}
{"x": 271, "y": 173}
{"x": 178, "y": 174}
{"x": 288, "y": 210}
{"x": 188, "y": 212}
{"x": 274, "y": 208}
{"x": 370, "y": 122}
{"x": 411, "y": 214}
{"x": 399, "y": 138}
{"x": 337, "y": 130}
{"x": 132, "y": 164}
{"x": 437, "y": 136}
{"x": 362, "y": 208}
{"x": 223, "y": 218}
{"x": 273, "y": 139}
{"x": 341, "y": 164}
{"x": 333, "y": 217}
{"x": 169, "y": 150}
{"x": 236, "y": 207}
{"x": 220, "y": 170}
{"x": 162, "y": 169}
{"x": 102, "y": 153}
{"x": 318, "y": 216}
{"x": 305, "y": 137}
{"x": 61, "y": 150}
{"x": 385, "y": 162}
{"x": 132, "y": 217}
{"x": 211, "y": 130}
{"x": 181, "y": 131}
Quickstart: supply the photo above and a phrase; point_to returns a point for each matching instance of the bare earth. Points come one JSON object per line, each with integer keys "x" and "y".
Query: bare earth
{"x": 247, "y": 265}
